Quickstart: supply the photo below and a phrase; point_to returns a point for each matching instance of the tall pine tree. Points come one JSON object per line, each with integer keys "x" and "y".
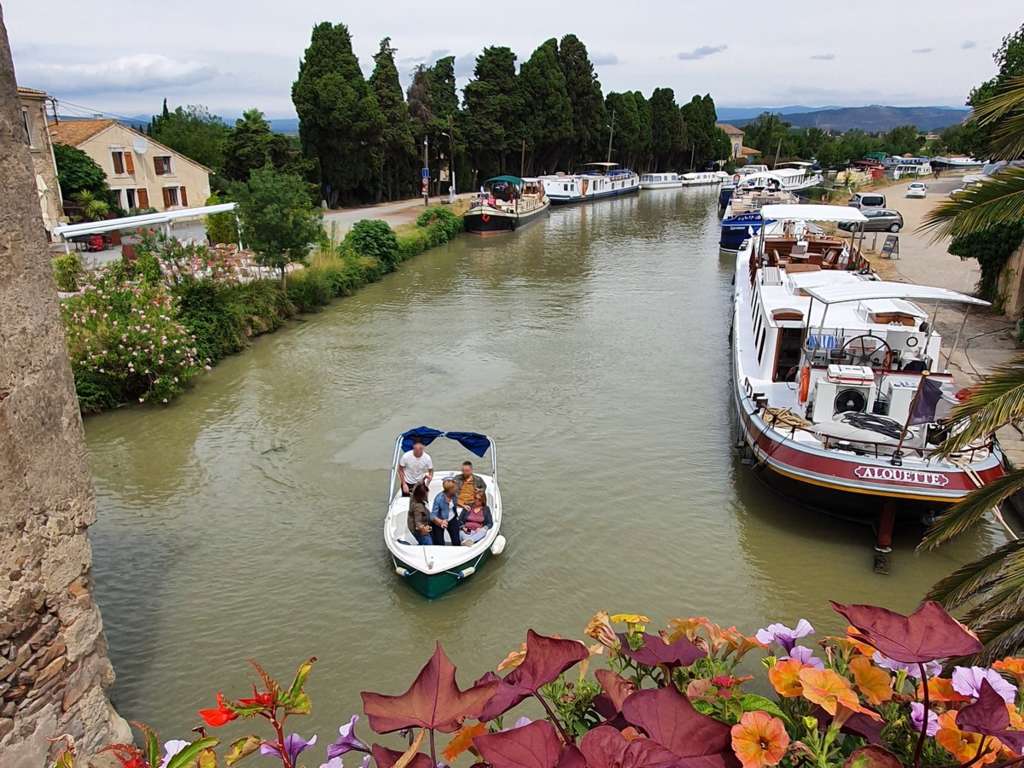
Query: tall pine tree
{"x": 666, "y": 129}
{"x": 494, "y": 111}
{"x": 548, "y": 109}
{"x": 340, "y": 121}
{"x": 398, "y": 169}
{"x": 584, "y": 90}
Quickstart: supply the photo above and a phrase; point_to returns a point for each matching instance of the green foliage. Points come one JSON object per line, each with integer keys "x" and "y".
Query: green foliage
{"x": 1009, "y": 58}
{"x": 92, "y": 208}
{"x": 549, "y": 116}
{"x": 278, "y": 222}
{"x": 125, "y": 342}
{"x": 193, "y": 132}
{"x": 340, "y": 121}
{"x": 588, "y": 113}
{"x": 375, "y": 239}
{"x": 992, "y": 248}
{"x": 398, "y": 150}
{"x": 221, "y": 227}
{"x": 77, "y": 172}
{"x": 494, "y": 109}
{"x": 67, "y": 271}
{"x": 442, "y": 221}
{"x": 667, "y": 131}
{"x": 247, "y": 146}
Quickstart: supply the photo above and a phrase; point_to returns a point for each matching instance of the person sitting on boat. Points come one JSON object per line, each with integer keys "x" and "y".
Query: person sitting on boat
{"x": 419, "y": 516}
{"x": 466, "y": 486}
{"x": 442, "y": 515}
{"x": 476, "y": 519}
{"x": 415, "y": 467}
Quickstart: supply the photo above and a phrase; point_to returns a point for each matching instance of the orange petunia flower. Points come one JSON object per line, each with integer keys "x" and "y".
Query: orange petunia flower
{"x": 874, "y": 682}
{"x": 785, "y": 678}
{"x": 940, "y": 689}
{"x": 514, "y": 659}
{"x": 759, "y": 740}
{"x": 828, "y": 690}
{"x": 600, "y": 628}
{"x": 1012, "y": 665}
{"x": 858, "y": 645}
{"x": 688, "y": 628}
{"x": 963, "y": 745}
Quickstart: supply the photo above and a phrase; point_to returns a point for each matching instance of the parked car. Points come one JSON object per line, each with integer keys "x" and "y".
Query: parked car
{"x": 878, "y": 220}
{"x": 865, "y": 200}
{"x": 917, "y": 189}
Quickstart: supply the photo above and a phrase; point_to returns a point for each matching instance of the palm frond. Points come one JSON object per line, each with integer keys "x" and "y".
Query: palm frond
{"x": 997, "y": 603}
{"x": 1000, "y": 200}
{"x": 1005, "y": 112}
{"x": 1002, "y": 636}
{"x": 966, "y": 514}
{"x": 994, "y": 403}
{"x": 968, "y": 581}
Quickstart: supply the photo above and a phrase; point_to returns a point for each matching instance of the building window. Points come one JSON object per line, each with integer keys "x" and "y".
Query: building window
{"x": 143, "y": 195}
{"x": 170, "y": 196}
{"x": 123, "y": 162}
{"x": 27, "y": 125}
{"x": 162, "y": 165}
{"x": 130, "y": 200}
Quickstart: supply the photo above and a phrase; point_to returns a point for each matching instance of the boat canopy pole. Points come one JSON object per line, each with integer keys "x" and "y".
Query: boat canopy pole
{"x": 959, "y": 332}
{"x": 394, "y": 467}
{"x": 494, "y": 460}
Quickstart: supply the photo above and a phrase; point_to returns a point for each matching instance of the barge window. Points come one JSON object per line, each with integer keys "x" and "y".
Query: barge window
{"x": 760, "y": 345}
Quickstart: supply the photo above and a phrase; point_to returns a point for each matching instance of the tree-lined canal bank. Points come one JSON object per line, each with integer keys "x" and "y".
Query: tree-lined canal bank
{"x": 245, "y": 519}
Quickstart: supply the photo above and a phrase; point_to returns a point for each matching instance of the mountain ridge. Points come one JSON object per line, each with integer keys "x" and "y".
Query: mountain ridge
{"x": 873, "y": 118}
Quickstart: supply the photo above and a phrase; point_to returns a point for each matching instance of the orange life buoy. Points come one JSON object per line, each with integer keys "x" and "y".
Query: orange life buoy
{"x": 485, "y": 217}
{"x": 805, "y": 383}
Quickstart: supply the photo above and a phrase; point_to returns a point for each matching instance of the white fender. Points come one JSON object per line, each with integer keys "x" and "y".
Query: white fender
{"x": 465, "y": 573}
{"x": 499, "y": 545}
{"x": 402, "y": 571}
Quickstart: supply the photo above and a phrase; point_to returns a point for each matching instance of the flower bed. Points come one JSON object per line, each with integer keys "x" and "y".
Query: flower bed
{"x": 878, "y": 696}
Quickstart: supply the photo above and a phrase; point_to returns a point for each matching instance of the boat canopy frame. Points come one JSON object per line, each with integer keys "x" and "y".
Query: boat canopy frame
{"x": 476, "y": 443}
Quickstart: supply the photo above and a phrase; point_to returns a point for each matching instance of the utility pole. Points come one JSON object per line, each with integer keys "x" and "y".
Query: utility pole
{"x": 522, "y": 160}
{"x": 611, "y": 133}
{"x": 426, "y": 171}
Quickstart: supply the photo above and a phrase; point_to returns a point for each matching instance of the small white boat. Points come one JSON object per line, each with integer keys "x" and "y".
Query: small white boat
{"x": 505, "y": 204}
{"x": 660, "y": 181}
{"x": 600, "y": 181}
{"x": 703, "y": 178}
{"x": 434, "y": 570}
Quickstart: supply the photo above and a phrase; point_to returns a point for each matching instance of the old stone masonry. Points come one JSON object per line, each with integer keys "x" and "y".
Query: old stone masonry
{"x": 53, "y": 656}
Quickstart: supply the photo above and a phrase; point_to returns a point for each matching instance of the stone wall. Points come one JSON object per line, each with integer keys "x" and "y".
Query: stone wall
{"x": 53, "y": 658}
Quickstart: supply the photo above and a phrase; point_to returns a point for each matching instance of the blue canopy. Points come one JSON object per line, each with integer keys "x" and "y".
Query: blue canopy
{"x": 472, "y": 441}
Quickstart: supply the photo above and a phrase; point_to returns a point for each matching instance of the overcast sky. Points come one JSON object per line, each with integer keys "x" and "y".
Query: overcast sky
{"x": 125, "y": 57}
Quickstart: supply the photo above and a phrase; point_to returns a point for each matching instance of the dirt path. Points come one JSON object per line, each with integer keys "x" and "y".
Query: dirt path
{"x": 396, "y": 214}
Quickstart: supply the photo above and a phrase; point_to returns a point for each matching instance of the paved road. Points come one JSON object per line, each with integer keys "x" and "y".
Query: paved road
{"x": 395, "y": 214}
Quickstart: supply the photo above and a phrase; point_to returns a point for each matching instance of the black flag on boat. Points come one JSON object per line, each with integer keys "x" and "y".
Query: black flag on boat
{"x": 928, "y": 395}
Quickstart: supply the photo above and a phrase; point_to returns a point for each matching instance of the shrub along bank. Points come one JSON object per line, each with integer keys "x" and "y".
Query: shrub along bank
{"x": 136, "y": 336}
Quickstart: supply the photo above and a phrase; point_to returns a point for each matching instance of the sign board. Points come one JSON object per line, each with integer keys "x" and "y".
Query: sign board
{"x": 425, "y": 173}
{"x": 444, "y": 174}
{"x": 897, "y": 475}
{"x": 891, "y": 247}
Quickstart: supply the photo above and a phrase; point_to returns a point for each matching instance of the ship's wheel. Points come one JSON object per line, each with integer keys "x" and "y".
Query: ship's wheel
{"x": 868, "y": 350}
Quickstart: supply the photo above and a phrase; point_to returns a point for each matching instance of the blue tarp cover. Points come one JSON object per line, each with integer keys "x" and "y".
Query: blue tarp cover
{"x": 472, "y": 441}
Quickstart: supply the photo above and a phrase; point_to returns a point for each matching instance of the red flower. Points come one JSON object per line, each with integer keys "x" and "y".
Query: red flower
{"x": 263, "y": 699}
{"x": 222, "y": 715}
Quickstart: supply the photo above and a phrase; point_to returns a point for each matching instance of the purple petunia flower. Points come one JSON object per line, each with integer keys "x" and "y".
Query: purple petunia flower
{"x": 294, "y": 745}
{"x": 917, "y": 719}
{"x": 931, "y": 668}
{"x": 783, "y": 635}
{"x": 347, "y": 740}
{"x": 967, "y": 682}
{"x": 806, "y": 656}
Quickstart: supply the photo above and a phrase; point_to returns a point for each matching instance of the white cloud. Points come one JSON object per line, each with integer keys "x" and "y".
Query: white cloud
{"x": 824, "y": 57}
{"x": 604, "y": 59}
{"x": 968, "y": 44}
{"x": 137, "y": 72}
{"x": 922, "y": 50}
{"x": 701, "y": 53}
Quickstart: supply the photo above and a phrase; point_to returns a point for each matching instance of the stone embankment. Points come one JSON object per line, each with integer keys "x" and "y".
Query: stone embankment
{"x": 53, "y": 656}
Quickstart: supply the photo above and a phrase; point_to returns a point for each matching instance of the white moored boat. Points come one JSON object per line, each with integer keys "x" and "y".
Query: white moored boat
{"x": 660, "y": 181}
{"x": 829, "y": 363}
{"x": 505, "y": 204}
{"x": 434, "y": 570}
{"x": 703, "y": 178}
{"x": 601, "y": 181}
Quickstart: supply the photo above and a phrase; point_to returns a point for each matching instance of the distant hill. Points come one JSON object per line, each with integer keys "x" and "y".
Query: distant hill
{"x": 737, "y": 114}
{"x": 285, "y": 124}
{"x": 873, "y": 119}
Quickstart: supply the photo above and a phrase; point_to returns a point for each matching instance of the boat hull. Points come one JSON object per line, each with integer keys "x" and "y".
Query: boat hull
{"x": 648, "y": 185}
{"x": 432, "y": 585}
{"x": 736, "y": 229}
{"x": 491, "y": 222}
{"x": 591, "y": 197}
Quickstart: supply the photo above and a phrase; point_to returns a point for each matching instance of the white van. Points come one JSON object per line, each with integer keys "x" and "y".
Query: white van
{"x": 867, "y": 200}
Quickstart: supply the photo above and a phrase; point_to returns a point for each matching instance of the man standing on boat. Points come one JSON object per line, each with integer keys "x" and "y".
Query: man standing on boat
{"x": 415, "y": 467}
{"x": 466, "y": 486}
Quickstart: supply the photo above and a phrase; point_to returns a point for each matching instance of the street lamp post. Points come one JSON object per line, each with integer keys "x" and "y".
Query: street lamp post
{"x": 426, "y": 171}
{"x": 451, "y": 161}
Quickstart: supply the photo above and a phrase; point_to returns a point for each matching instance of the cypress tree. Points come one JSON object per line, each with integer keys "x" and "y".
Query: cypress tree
{"x": 588, "y": 110}
{"x": 494, "y": 112}
{"x": 340, "y": 121}
{"x": 666, "y": 129}
{"x": 548, "y": 110}
{"x": 398, "y": 169}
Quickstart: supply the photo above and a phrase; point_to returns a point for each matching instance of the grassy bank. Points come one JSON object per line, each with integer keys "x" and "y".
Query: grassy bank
{"x": 136, "y": 336}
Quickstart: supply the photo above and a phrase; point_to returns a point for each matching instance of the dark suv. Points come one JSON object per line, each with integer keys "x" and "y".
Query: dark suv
{"x": 878, "y": 220}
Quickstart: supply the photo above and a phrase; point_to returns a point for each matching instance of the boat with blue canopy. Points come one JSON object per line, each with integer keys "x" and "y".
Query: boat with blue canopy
{"x": 432, "y": 570}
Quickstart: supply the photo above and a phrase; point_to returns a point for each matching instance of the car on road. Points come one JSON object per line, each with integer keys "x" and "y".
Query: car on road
{"x": 917, "y": 189}
{"x": 865, "y": 200}
{"x": 878, "y": 220}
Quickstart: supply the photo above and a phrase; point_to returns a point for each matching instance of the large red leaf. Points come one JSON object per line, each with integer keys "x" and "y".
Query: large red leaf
{"x": 929, "y": 633}
{"x": 385, "y": 758}
{"x": 433, "y": 701}
{"x": 667, "y": 716}
{"x": 655, "y": 651}
{"x": 546, "y": 658}
{"x": 606, "y": 747}
{"x": 530, "y": 746}
{"x": 989, "y": 716}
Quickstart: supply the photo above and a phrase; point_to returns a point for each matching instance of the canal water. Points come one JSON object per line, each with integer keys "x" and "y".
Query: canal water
{"x": 245, "y": 519}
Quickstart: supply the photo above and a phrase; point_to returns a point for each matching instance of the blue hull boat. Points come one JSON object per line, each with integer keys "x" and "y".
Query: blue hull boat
{"x": 736, "y": 229}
